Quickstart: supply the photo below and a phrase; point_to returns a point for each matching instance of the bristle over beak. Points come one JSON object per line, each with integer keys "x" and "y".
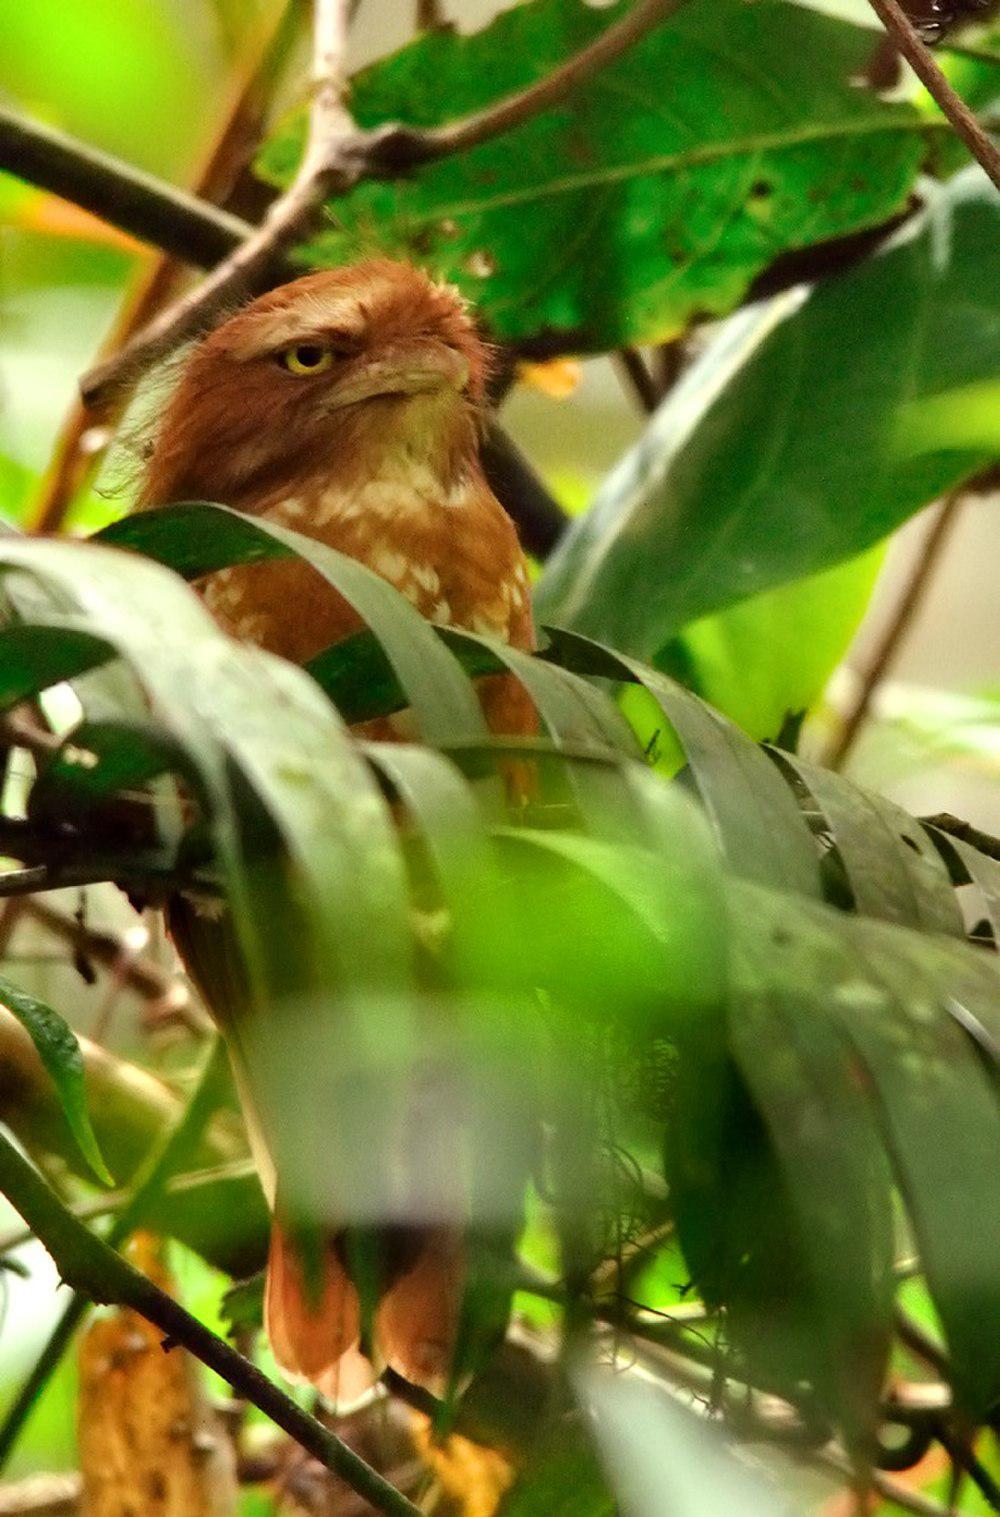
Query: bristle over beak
{"x": 412, "y": 368}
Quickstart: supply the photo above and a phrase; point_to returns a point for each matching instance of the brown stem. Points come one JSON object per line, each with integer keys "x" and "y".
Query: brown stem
{"x": 928, "y": 71}
{"x": 140, "y": 973}
{"x": 42, "y": 1496}
{"x": 87, "y": 1264}
{"x": 639, "y": 378}
{"x": 965, "y": 832}
{"x": 87, "y": 430}
{"x": 120, "y": 194}
{"x": 900, "y": 623}
{"x": 429, "y": 15}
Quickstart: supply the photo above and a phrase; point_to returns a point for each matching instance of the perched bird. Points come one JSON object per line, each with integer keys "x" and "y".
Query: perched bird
{"x": 348, "y": 405}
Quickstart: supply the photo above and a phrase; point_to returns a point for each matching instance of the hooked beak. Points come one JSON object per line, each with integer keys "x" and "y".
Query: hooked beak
{"x": 410, "y": 368}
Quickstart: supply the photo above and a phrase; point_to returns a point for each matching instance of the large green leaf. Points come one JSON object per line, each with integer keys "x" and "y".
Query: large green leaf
{"x": 786, "y": 448}
{"x": 59, "y": 1051}
{"x": 768, "y": 659}
{"x": 309, "y": 861}
{"x": 893, "y": 869}
{"x": 728, "y": 135}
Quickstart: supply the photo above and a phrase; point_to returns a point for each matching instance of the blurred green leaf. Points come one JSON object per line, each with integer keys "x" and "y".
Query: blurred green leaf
{"x": 831, "y": 1320}
{"x": 769, "y": 658}
{"x": 656, "y": 193}
{"x": 59, "y": 1051}
{"x": 776, "y": 454}
{"x": 661, "y": 1458}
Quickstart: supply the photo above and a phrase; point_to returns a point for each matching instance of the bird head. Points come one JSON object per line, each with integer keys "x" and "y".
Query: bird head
{"x": 339, "y": 372}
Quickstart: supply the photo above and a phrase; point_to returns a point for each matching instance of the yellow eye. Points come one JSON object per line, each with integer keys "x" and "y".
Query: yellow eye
{"x": 307, "y": 358}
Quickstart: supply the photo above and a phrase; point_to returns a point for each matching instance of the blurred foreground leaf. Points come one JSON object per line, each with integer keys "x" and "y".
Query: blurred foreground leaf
{"x": 662, "y": 1458}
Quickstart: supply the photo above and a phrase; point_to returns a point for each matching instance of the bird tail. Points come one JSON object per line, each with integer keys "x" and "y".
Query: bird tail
{"x": 318, "y": 1327}
{"x": 315, "y": 1326}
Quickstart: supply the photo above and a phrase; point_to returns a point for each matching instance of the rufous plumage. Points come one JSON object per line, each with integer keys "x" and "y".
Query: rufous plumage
{"x": 348, "y": 405}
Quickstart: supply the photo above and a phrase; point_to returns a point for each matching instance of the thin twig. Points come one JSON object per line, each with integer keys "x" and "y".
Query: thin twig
{"x": 900, "y": 623}
{"x": 639, "y": 378}
{"x": 89, "y": 1265}
{"x": 928, "y": 71}
{"x": 404, "y": 147}
{"x": 965, "y": 832}
{"x": 42, "y": 1496}
{"x": 337, "y": 156}
{"x": 169, "y": 1152}
{"x": 429, "y": 15}
{"x": 541, "y": 520}
{"x": 138, "y": 971}
{"x": 962, "y": 1454}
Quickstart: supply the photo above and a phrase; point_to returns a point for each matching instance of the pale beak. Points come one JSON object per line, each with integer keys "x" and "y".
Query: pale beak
{"x": 406, "y": 368}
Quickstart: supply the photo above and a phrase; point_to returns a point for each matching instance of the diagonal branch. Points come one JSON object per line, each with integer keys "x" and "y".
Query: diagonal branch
{"x": 397, "y": 147}
{"x": 171, "y": 1151}
{"x": 85, "y": 432}
{"x": 89, "y": 1265}
{"x": 175, "y": 221}
{"x": 327, "y": 166}
{"x": 888, "y": 645}
{"x": 929, "y": 72}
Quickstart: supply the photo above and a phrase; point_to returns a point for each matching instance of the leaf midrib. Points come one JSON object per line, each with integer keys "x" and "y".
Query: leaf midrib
{"x": 706, "y": 152}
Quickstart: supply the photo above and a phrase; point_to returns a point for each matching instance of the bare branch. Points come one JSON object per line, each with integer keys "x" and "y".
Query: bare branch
{"x": 139, "y": 972}
{"x": 42, "y": 1496}
{"x": 928, "y": 71}
{"x": 639, "y": 379}
{"x": 429, "y": 15}
{"x": 891, "y": 640}
{"x": 90, "y": 1266}
{"x": 170, "y": 1151}
{"x": 145, "y": 207}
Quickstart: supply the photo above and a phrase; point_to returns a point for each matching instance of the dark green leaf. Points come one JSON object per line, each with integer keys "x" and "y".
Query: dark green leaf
{"x": 893, "y": 869}
{"x": 59, "y": 1051}
{"x": 655, "y": 193}
{"x": 790, "y": 445}
{"x": 32, "y": 659}
{"x": 759, "y": 827}
{"x": 984, "y": 873}
{"x": 802, "y": 1079}
{"x": 196, "y": 539}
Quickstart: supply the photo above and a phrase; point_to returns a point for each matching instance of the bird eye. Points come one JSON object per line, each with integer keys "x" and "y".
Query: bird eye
{"x": 307, "y": 358}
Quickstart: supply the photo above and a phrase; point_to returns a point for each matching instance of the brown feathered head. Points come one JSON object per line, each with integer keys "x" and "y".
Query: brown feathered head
{"x": 325, "y": 373}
